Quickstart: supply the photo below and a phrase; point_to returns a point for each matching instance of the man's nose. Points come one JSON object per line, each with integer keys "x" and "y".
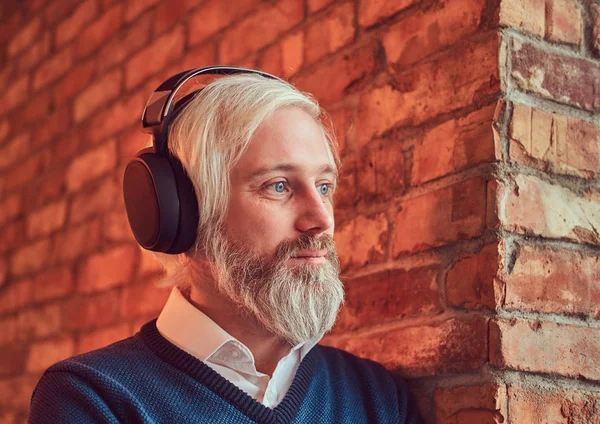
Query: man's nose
{"x": 314, "y": 213}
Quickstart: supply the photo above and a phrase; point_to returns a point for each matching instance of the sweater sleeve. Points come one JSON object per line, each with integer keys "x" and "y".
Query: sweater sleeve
{"x": 63, "y": 397}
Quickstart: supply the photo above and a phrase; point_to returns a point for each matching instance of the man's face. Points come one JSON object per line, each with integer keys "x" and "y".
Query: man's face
{"x": 282, "y": 187}
{"x": 275, "y": 257}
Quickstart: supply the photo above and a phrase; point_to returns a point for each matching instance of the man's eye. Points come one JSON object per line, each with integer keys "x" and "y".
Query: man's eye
{"x": 278, "y": 187}
{"x": 324, "y": 189}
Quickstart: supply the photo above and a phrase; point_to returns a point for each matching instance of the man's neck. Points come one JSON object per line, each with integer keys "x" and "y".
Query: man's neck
{"x": 266, "y": 348}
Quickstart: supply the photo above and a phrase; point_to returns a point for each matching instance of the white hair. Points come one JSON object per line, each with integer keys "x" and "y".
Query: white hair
{"x": 211, "y": 134}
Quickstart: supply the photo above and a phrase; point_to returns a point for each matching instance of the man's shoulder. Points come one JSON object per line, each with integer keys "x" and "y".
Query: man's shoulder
{"x": 115, "y": 357}
{"x": 348, "y": 363}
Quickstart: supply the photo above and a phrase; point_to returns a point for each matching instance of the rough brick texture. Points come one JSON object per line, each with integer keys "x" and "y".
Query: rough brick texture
{"x": 467, "y": 209}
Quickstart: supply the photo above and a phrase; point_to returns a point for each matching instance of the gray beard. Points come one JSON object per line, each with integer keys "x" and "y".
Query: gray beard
{"x": 296, "y": 303}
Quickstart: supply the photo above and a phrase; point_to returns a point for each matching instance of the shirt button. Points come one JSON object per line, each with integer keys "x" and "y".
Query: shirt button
{"x": 235, "y": 354}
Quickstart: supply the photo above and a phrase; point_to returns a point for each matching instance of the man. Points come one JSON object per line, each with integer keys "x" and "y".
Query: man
{"x": 237, "y": 340}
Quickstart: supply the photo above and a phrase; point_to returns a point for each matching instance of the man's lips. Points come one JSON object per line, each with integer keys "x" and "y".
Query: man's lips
{"x": 307, "y": 254}
{"x": 312, "y": 256}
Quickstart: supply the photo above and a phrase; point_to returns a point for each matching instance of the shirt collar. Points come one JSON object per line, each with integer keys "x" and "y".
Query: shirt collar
{"x": 191, "y": 330}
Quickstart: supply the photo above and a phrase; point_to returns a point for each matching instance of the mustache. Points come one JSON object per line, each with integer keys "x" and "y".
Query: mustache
{"x": 289, "y": 248}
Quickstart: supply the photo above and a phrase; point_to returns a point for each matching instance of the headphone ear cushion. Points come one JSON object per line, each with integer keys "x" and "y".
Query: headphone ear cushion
{"x": 152, "y": 201}
{"x": 188, "y": 210}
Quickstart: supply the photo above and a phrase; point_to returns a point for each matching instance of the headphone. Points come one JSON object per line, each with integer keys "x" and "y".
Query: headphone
{"x": 160, "y": 200}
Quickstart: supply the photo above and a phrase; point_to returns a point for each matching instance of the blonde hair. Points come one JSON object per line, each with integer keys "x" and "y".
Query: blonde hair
{"x": 211, "y": 134}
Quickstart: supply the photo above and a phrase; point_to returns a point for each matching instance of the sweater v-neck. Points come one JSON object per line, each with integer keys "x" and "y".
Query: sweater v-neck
{"x": 198, "y": 370}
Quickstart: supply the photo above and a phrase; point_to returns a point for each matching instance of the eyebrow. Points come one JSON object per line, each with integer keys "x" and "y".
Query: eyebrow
{"x": 325, "y": 169}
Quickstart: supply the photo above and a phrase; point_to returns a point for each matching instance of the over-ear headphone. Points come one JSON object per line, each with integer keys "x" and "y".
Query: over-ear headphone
{"x": 160, "y": 200}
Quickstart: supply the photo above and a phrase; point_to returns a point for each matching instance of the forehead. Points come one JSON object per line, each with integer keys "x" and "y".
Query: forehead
{"x": 289, "y": 137}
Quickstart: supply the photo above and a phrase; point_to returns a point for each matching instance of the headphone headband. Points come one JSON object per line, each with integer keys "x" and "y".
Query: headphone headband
{"x": 157, "y": 113}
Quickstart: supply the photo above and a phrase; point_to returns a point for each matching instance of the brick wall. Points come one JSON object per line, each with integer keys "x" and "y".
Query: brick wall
{"x": 468, "y": 215}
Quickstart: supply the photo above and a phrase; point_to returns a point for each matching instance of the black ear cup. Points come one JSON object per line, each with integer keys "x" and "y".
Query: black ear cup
{"x": 161, "y": 204}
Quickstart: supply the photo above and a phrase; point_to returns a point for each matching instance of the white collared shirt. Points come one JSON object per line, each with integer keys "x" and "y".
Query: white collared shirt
{"x": 192, "y": 331}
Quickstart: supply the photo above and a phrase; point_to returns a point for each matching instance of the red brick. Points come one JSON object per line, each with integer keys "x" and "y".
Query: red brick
{"x": 437, "y": 218}
{"x": 563, "y": 21}
{"x": 8, "y": 335}
{"x": 554, "y": 281}
{"x": 595, "y": 15}
{"x": 3, "y": 271}
{"x": 425, "y": 32}
{"x": 36, "y": 53}
{"x": 553, "y": 142}
{"x": 12, "y": 359}
{"x": 103, "y": 337}
{"x": 15, "y": 296}
{"x": 213, "y": 16}
{"x": 115, "y": 227}
{"x": 285, "y": 58}
{"x": 12, "y": 236}
{"x": 97, "y": 95}
{"x": 381, "y": 297}
{"x": 54, "y": 283}
{"x": 482, "y": 404}
{"x": 143, "y": 299}
{"x": 451, "y": 346}
{"x": 10, "y": 25}
{"x": 10, "y": 208}
{"x": 474, "y": 282}
{"x": 560, "y": 213}
{"x": 362, "y": 241}
{"x": 73, "y": 82}
{"x": 39, "y": 323}
{"x": 54, "y": 126}
{"x": 121, "y": 115}
{"x": 526, "y": 15}
{"x": 259, "y": 29}
{"x": 34, "y": 111}
{"x": 315, "y": 5}
{"x": 134, "y": 8}
{"x": 331, "y": 32}
{"x": 25, "y": 36}
{"x": 45, "y": 188}
{"x": 542, "y": 73}
{"x": 15, "y": 94}
{"x": 46, "y": 353}
{"x": 72, "y": 26}
{"x": 169, "y": 13}
{"x": 56, "y": 66}
{"x": 26, "y": 170}
{"x": 57, "y": 10}
{"x": 371, "y": 11}
{"x": 330, "y": 81}
{"x": 530, "y": 403}
{"x": 91, "y": 165}
{"x": 5, "y": 126}
{"x": 85, "y": 313}
{"x": 344, "y": 126}
{"x": 47, "y": 220}
{"x": 431, "y": 89}
{"x": 546, "y": 347}
{"x": 98, "y": 32}
{"x": 30, "y": 258}
{"x": 453, "y": 146}
{"x": 15, "y": 393}
{"x": 124, "y": 44}
{"x": 76, "y": 241}
{"x": 164, "y": 50}
{"x": 108, "y": 269}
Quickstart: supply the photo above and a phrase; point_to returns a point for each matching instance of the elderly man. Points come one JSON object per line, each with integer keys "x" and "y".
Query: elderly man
{"x": 238, "y": 191}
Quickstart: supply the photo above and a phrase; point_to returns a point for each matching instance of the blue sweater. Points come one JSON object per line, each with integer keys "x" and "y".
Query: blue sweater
{"x": 145, "y": 378}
